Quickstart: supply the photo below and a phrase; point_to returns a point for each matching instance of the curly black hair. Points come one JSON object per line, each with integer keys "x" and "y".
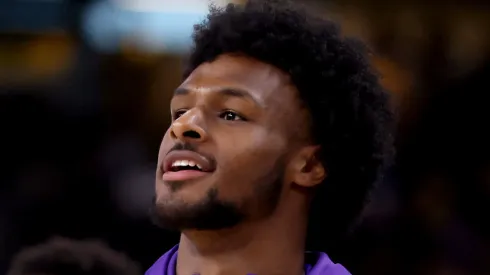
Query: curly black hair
{"x": 352, "y": 118}
{"x": 69, "y": 257}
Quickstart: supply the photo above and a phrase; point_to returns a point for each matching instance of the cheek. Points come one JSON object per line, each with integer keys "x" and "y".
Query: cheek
{"x": 165, "y": 146}
{"x": 248, "y": 157}
{"x": 249, "y": 146}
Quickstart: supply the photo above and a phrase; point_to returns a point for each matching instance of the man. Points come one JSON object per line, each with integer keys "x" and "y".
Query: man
{"x": 68, "y": 257}
{"x": 277, "y": 116}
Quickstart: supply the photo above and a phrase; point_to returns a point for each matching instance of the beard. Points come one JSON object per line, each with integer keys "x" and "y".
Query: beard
{"x": 209, "y": 214}
{"x": 213, "y": 213}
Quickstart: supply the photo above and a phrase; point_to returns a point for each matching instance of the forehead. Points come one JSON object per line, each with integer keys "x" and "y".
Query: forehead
{"x": 263, "y": 81}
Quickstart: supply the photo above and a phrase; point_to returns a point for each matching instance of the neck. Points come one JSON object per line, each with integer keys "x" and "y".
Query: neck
{"x": 274, "y": 246}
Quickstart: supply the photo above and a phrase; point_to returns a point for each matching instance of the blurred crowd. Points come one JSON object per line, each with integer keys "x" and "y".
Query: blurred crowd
{"x": 81, "y": 123}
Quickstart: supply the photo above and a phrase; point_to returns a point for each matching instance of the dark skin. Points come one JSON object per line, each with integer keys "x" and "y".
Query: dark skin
{"x": 247, "y": 116}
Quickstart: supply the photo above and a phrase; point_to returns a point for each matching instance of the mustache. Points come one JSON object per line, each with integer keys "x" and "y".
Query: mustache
{"x": 193, "y": 148}
{"x": 184, "y": 147}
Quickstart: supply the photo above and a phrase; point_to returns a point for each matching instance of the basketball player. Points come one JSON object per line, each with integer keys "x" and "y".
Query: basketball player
{"x": 279, "y": 121}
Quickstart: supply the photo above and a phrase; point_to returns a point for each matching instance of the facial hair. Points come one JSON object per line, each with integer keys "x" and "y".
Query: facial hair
{"x": 213, "y": 213}
{"x": 209, "y": 214}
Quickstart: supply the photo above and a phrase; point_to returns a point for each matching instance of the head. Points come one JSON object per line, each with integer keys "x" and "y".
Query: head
{"x": 275, "y": 105}
{"x": 68, "y": 257}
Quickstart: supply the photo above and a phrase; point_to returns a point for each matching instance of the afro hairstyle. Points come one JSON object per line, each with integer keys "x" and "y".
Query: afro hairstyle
{"x": 351, "y": 116}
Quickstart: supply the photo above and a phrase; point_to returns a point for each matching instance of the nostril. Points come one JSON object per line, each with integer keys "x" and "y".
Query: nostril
{"x": 191, "y": 134}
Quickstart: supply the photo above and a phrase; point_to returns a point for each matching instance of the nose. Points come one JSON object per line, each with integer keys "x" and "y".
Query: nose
{"x": 189, "y": 127}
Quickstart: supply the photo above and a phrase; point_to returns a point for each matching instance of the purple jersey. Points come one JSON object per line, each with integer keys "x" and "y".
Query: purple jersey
{"x": 316, "y": 264}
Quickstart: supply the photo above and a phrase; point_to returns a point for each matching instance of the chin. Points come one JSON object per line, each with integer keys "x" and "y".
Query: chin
{"x": 184, "y": 198}
{"x": 207, "y": 214}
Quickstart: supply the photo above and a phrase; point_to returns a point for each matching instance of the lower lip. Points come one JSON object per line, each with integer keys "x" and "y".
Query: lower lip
{"x": 183, "y": 175}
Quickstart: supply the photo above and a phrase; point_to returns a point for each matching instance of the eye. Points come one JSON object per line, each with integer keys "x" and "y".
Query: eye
{"x": 231, "y": 116}
{"x": 178, "y": 114}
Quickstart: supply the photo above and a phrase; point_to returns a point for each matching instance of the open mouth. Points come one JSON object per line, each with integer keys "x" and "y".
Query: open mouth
{"x": 184, "y": 165}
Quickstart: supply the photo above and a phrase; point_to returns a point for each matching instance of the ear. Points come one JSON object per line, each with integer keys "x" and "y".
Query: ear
{"x": 306, "y": 168}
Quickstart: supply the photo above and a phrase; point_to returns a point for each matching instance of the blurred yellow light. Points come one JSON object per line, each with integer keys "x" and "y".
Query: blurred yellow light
{"x": 34, "y": 59}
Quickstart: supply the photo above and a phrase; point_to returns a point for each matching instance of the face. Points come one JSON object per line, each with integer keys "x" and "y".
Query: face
{"x": 227, "y": 155}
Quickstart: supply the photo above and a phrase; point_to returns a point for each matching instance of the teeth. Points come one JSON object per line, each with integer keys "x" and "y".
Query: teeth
{"x": 191, "y": 163}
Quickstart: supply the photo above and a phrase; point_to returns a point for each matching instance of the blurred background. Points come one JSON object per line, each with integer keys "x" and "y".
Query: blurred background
{"x": 84, "y": 90}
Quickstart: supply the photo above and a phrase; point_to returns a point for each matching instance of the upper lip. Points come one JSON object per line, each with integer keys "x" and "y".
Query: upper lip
{"x": 205, "y": 163}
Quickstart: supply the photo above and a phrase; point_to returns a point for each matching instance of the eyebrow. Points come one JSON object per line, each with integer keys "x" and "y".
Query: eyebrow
{"x": 227, "y": 92}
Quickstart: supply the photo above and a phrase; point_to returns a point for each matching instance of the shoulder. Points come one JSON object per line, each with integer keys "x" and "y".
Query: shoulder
{"x": 166, "y": 264}
{"x": 317, "y": 263}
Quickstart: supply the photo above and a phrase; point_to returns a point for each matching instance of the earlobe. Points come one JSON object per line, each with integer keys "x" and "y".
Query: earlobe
{"x": 309, "y": 170}
{"x": 318, "y": 174}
